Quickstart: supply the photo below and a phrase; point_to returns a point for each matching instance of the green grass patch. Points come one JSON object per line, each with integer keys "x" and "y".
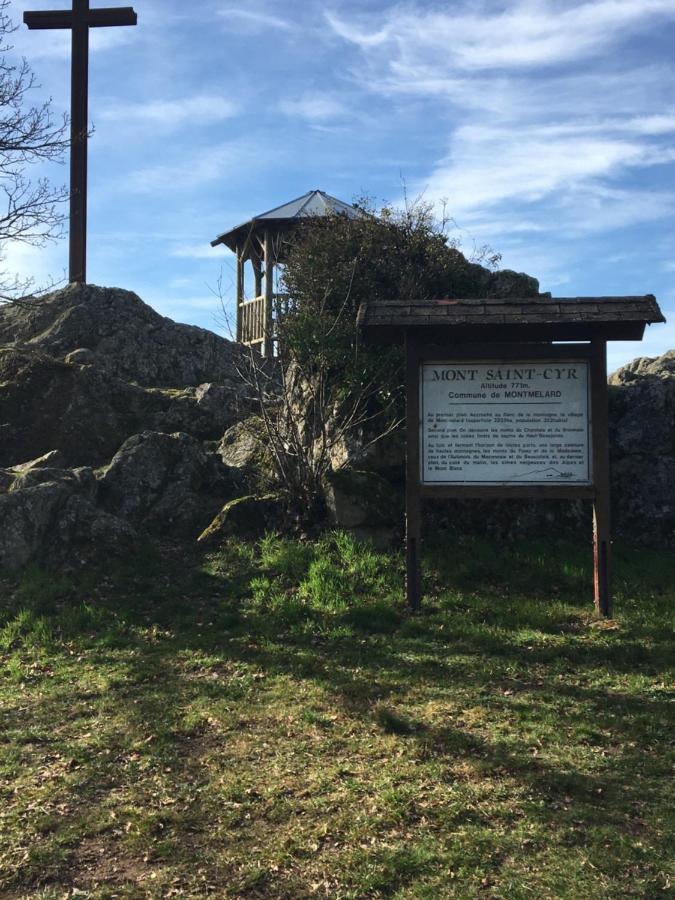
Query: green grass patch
{"x": 269, "y": 720}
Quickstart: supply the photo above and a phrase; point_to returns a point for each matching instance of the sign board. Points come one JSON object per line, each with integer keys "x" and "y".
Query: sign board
{"x": 506, "y": 399}
{"x": 501, "y": 423}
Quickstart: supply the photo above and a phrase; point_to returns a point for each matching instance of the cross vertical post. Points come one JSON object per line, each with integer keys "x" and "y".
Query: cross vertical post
{"x": 80, "y": 19}
{"x": 79, "y": 104}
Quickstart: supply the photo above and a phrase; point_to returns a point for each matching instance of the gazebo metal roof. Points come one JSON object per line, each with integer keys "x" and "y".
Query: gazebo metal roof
{"x": 313, "y": 204}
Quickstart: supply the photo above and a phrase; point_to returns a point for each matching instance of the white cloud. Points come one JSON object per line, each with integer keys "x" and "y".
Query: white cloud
{"x": 253, "y": 19}
{"x": 57, "y": 45}
{"x": 526, "y": 33}
{"x": 193, "y": 170}
{"x": 315, "y": 107}
{"x": 552, "y": 147}
{"x": 168, "y": 114}
{"x": 195, "y": 251}
{"x": 490, "y": 165}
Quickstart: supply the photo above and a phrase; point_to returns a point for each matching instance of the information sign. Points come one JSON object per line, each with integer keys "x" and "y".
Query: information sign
{"x": 505, "y": 422}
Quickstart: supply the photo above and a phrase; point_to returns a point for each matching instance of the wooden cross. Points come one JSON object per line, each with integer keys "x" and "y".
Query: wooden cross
{"x": 80, "y": 19}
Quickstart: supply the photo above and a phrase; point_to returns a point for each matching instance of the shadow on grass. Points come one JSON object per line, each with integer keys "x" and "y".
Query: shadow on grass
{"x": 514, "y": 630}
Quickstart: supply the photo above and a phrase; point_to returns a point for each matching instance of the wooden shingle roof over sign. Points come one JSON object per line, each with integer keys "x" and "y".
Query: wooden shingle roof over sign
{"x": 503, "y": 319}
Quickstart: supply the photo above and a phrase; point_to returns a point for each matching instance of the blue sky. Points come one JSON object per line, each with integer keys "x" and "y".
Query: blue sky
{"x": 548, "y": 127}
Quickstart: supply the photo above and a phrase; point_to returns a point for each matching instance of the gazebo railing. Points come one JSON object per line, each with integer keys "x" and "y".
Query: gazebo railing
{"x": 252, "y": 321}
{"x": 253, "y": 316}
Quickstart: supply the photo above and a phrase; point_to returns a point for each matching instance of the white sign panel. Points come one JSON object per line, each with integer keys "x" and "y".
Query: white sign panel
{"x": 505, "y": 422}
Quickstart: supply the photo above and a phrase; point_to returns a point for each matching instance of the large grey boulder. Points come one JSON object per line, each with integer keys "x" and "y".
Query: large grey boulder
{"x": 241, "y": 446}
{"x": 166, "y": 483}
{"x": 116, "y": 331}
{"x": 53, "y": 521}
{"x": 107, "y": 414}
{"x": 245, "y": 447}
{"x": 86, "y": 413}
{"x": 642, "y": 444}
{"x": 81, "y": 480}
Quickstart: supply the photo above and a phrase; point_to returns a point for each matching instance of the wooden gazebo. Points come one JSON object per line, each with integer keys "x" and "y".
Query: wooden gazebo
{"x": 261, "y": 242}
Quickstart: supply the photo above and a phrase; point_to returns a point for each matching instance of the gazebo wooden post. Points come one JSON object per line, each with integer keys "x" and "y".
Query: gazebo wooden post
{"x": 240, "y": 292}
{"x": 601, "y": 500}
{"x": 268, "y": 331}
{"x": 257, "y": 274}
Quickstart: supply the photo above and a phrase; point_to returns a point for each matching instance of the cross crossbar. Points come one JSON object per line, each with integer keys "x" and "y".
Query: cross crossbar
{"x": 94, "y": 18}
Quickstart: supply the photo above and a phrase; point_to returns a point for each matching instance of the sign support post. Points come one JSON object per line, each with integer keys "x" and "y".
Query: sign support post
{"x": 602, "y": 563}
{"x": 413, "y": 511}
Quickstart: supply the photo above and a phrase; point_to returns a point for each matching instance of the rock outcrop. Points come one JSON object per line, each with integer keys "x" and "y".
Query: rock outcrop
{"x": 642, "y": 444}
{"x": 247, "y": 516}
{"x": 166, "y": 483}
{"x": 116, "y": 332}
{"x": 50, "y": 516}
{"x": 117, "y": 423}
{"x": 86, "y": 413}
{"x": 366, "y": 504}
{"x": 110, "y": 417}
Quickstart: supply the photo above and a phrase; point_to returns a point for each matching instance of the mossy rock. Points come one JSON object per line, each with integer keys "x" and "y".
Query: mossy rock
{"x": 250, "y": 517}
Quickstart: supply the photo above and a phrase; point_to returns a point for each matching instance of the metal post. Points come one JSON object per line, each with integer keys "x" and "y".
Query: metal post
{"x": 601, "y": 500}
{"x": 413, "y": 528}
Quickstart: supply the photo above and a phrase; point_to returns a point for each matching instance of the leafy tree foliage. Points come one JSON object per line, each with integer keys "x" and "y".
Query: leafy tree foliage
{"x": 336, "y": 263}
{"x": 334, "y": 389}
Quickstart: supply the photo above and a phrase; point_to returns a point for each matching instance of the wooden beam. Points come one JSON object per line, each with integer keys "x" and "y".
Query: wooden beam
{"x": 79, "y": 106}
{"x": 509, "y": 491}
{"x": 103, "y": 18}
{"x": 240, "y": 294}
{"x": 96, "y": 18}
{"x": 413, "y": 504}
{"x": 268, "y": 329}
{"x": 258, "y": 275}
{"x": 601, "y": 503}
{"x": 428, "y": 352}
{"x": 38, "y": 21}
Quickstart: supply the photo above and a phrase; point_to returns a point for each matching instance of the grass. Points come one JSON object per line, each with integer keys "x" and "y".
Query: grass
{"x": 269, "y": 721}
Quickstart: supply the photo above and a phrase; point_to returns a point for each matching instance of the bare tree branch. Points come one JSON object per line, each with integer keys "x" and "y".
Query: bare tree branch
{"x": 31, "y": 211}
